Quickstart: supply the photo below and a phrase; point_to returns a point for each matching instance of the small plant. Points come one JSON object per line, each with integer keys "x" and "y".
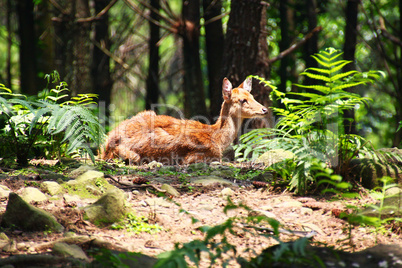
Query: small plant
{"x": 136, "y": 224}
{"x": 311, "y": 125}
{"x": 53, "y": 121}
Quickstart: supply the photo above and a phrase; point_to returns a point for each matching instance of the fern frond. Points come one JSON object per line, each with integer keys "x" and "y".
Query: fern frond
{"x": 316, "y": 76}
{"x": 342, "y": 75}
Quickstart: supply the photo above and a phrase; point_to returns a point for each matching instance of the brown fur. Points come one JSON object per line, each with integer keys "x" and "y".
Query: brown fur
{"x": 147, "y": 136}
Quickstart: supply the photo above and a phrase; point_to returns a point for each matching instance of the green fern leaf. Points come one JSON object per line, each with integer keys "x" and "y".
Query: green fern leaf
{"x": 342, "y": 75}
{"x": 316, "y": 76}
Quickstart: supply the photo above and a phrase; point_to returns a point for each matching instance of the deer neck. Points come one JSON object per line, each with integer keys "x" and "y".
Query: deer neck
{"x": 227, "y": 126}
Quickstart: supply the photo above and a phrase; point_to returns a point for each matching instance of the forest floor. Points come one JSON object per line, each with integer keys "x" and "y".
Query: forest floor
{"x": 206, "y": 204}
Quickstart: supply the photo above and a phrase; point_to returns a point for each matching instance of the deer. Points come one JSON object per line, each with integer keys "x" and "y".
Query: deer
{"x": 147, "y": 136}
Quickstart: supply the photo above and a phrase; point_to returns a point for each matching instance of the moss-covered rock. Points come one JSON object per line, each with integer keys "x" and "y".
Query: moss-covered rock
{"x": 19, "y": 214}
{"x": 107, "y": 209}
{"x": 274, "y": 156}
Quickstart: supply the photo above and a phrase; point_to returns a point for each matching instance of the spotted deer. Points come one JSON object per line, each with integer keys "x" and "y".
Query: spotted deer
{"x": 147, "y": 136}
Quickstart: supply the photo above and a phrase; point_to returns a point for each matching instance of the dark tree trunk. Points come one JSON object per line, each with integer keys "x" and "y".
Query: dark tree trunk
{"x": 101, "y": 80}
{"x": 26, "y": 32}
{"x": 242, "y": 40}
{"x": 284, "y": 13}
{"x": 214, "y": 40}
{"x": 194, "y": 100}
{"x": 9, "y": 44}
{"x": 311, "y": 46}
{"x": 246, "y": 51}
{"x": 153, "y": 69}
{"x": 352, "y": 9}
{"x": 398, "y": 135}
{"x": 73, "y": 50}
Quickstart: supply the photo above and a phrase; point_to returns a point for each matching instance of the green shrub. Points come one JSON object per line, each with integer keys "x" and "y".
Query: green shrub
{"x": 311, "y": 124}
{"x": 53, "y": 123}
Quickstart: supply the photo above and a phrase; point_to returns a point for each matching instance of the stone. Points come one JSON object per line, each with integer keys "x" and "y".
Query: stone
{"x": 87, "y": 177}
{"x": 227, "y": 192}
{"x": 32, "y": 194}
{"x": 225, "y": 173}
{"x": 4, "y": 191}
{"x": 129, "y": 259}
{"x": 107, "y": 209}
{"x": 170, "y": 190}
{"x": 163, "y": 169}
{"x": 32, "y": 219}
{"x": 197, "y": 167}
{"x": 66, "y": 250}
{"x": 209, "y": 180}
{"x": 158, "y": 201}
{"x": 79, "y": 171}
{"x": 274, "y": 156}
{"x": 51, "y": 187}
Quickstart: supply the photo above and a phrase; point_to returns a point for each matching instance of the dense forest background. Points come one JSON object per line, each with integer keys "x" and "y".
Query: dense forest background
{"x": 138, "y": 53}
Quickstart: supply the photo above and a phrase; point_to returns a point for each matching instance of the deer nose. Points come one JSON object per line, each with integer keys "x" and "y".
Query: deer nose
{"x": 264, "y": 110}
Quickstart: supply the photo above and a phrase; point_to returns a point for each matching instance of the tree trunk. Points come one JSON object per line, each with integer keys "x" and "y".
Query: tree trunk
{"x": 246, "y": 51}
{"x": 100, "y": 71}
{"x": 352, "y": 9}
{"x": 242, "y": 40}
{"x": 214, "y": 40}
{"x": 9, "y": 44}
{"x": 73, "y": 49}
{"x": 311, "y": 45}
{"x": 398, "y": 107}
{"x": 194, "y": 100}
{"x": 26, "y": 32}
{"x": 153, "y": 69}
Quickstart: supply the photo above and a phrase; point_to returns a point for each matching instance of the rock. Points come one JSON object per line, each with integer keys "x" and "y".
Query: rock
{"x": 93, "y": 190}
{"x": 225, "y": 173}
{"x": 32, "y": 219}
{"x": 32, "y": 194}
{"x": 227, "y": 192}
{"x": 170, "y": 190}
{"x": 66, "y": 250}
{"x": 198, "y": 167}
{"x": 209, "y": 180}
{"x": 10, "y": 247}
{"x": 107, "y": 209}
{"x": 4, "y": 191}
{"x": 274, "y": 156}
{"x": 158, "y": 201}
{"x": 79, "y": 171}
{"x": 51, "y": 187}
{"x": 163, "y": 169}
{"x": 87, "y": 177}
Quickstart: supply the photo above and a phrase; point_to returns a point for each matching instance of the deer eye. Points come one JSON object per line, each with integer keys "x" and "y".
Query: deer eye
{"x": 243, "y": 101}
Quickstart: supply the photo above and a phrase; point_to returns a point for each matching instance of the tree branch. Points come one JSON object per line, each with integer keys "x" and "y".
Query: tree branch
{"x": 296, "y": 45}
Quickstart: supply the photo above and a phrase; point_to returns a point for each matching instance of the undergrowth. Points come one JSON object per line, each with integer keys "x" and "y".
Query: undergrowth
{"x": 311, "y": 125}
{"x": 50, "y": 124}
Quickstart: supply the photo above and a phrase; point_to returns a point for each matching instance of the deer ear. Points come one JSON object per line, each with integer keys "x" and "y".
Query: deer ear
{"x": 247, "y": 84}
{"x": 226, "y": 89}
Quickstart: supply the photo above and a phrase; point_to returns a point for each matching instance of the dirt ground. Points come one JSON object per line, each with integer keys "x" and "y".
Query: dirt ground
{"x": 206, "y": 204}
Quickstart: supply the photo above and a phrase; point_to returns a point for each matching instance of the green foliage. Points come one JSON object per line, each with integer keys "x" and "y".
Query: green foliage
{"x": 136, "y": 224}
{"x": 53, "y": 121}
{"x": 108, "y": 258}
{"x": 311, "y": 124}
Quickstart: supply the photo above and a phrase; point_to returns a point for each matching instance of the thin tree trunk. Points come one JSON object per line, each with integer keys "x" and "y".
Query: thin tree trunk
{"x": 26, "y": 31}
{"x": 214, "y": 40}
{"x": 311, "y": 45}
{"x": 194, "y": 100}
{"x": 349, "y": 48}
{"x": 153, "y": 69}
{"x": 9, "y": 44}
{"x": 398, "y": 135}
{"x": 100, "y": 72}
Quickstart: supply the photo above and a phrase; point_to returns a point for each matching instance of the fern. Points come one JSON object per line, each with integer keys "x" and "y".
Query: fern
{"x": 311, "y": 124}
{"x": 53, "y": 117}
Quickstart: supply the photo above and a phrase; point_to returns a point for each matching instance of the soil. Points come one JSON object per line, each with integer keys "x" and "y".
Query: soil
{"x": 317, "y": 216}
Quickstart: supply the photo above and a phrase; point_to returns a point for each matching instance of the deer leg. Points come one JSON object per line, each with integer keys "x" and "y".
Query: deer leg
{"x": 127, "y": 154}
